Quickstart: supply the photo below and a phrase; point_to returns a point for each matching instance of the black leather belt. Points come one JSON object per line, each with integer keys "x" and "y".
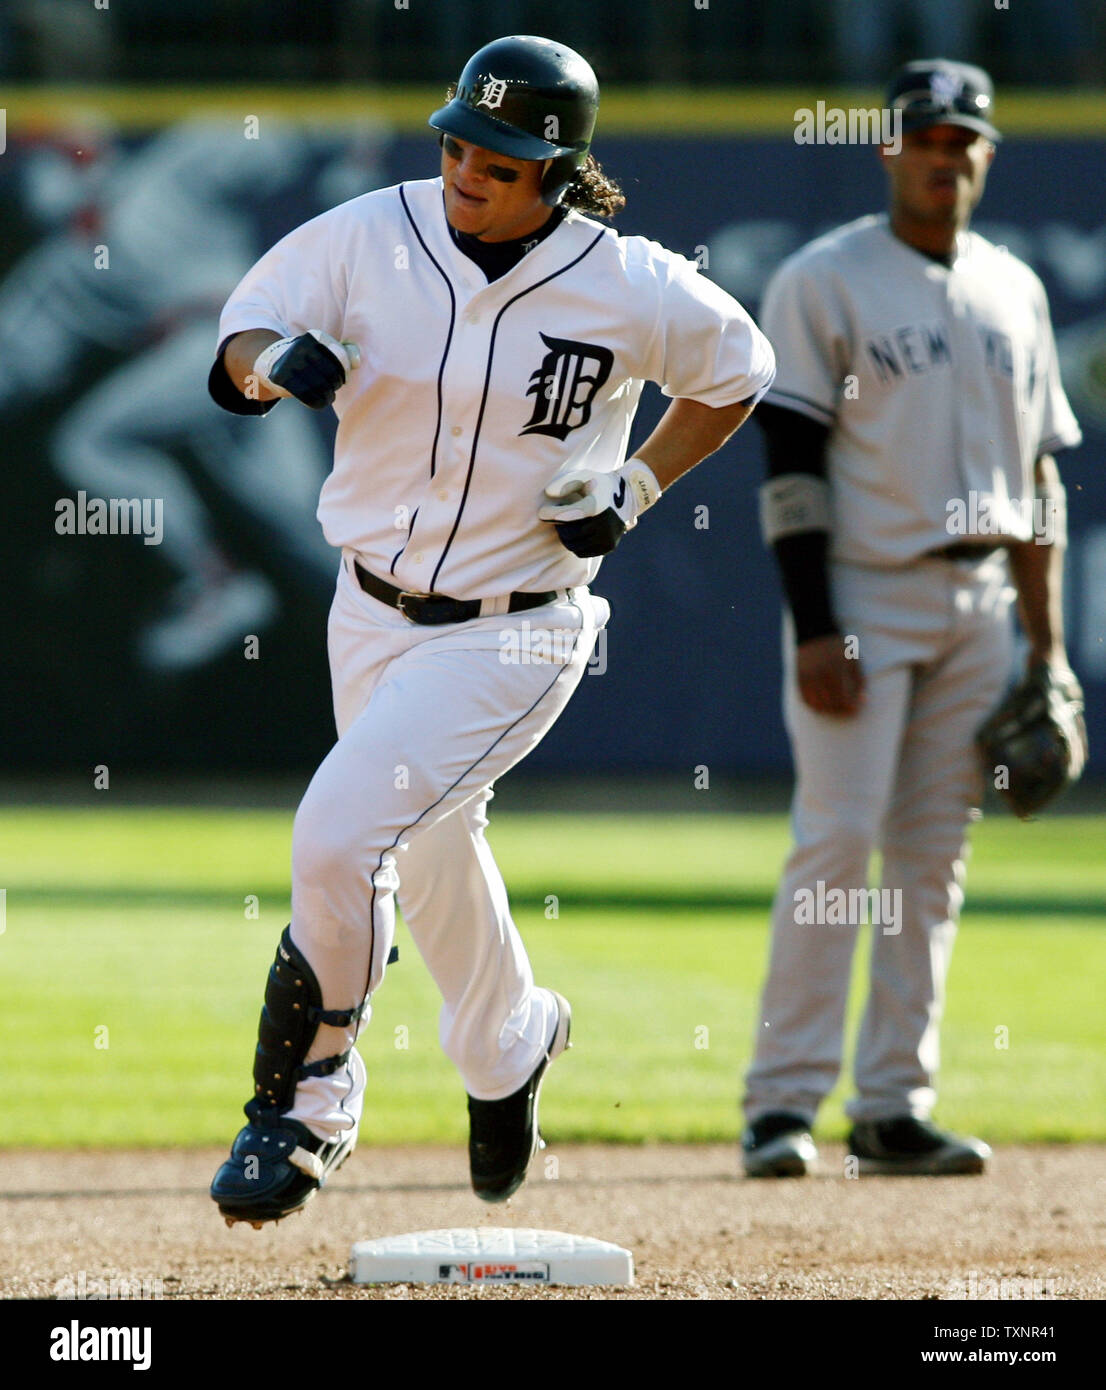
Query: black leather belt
{"x": 968, "y": 550}
{"x": 431, "y": 609}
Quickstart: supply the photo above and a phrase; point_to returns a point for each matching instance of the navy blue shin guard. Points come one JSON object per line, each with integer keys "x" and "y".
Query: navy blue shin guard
{"x": 289, "y": 1022}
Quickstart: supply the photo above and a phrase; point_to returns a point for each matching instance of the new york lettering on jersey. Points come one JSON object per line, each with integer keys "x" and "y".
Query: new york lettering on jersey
{"x": 910, "y": 350}
{"x": 918, "y": 348}
{"x": 939, "y": 379}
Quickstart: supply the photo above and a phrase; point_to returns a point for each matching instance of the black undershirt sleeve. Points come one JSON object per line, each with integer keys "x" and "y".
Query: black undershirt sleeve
{"x": 224, "y": 392}
{"x": 795, "y": 443}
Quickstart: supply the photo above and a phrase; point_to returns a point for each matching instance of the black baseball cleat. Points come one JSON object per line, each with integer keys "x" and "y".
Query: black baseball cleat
{"x": 274, "y": 1169}
{"x": 914, "y": 1148}
{"x": 778, "y": 1145}
{"x": 503, "y": 1134}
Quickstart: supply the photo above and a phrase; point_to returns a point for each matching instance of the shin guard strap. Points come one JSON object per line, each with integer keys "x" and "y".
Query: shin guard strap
{"x": 289, "y": 1021}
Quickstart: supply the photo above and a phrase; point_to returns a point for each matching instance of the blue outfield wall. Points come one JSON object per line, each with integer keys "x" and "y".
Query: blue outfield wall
{"x": 689, "y": 674}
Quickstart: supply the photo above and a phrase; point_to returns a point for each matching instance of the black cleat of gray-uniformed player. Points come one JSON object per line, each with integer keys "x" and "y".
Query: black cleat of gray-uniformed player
{"x": 778, "y": 1145}
{"x": 908, "y": 1147}
{"x": 503, "y": 1134}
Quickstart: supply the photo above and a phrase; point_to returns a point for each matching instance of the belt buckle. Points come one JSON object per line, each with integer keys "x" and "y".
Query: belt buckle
{"x": 408, "y": 594}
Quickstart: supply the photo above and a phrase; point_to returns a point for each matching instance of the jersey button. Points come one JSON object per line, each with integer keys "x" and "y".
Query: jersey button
{"x": 443, "y": 495}
{"x": 418, "y": 558}
{"x": 455, "y": 431}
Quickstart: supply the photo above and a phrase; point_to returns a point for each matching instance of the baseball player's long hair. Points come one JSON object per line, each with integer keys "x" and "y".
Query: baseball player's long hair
{"x": 593, "y": 192}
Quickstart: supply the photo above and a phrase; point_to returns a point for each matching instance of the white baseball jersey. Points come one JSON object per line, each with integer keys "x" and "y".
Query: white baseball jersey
{"x": 472, "y": 396}
{"x": 940, "y": 383}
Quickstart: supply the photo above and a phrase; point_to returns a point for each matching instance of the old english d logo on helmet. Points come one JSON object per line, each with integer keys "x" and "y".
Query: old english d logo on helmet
{"x": 529, "y": 98}
{"x": 495, "y": 89}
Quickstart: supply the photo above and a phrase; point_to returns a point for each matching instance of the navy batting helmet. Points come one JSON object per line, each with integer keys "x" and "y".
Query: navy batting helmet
{"x": 528, "y": 98}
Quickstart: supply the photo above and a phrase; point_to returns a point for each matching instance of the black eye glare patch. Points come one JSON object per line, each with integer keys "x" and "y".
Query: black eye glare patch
{"x": 495, "y": 171}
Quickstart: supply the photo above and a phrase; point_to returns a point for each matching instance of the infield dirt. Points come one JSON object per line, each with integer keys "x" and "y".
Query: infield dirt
{"x": 1035, "y": 1226}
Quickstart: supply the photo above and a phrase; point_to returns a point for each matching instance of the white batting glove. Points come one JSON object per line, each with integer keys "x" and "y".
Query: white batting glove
{"x": 593, "y": 511}
{"x": 311, "y": 367}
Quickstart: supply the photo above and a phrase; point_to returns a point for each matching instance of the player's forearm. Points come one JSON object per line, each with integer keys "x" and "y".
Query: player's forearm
{"x": 1037, "y": 568}
{"x": 1038, "y": 572}
{"x": 593, "y": 511}
{"x": 240, "y": 355}
{"x": 688, "y": 433}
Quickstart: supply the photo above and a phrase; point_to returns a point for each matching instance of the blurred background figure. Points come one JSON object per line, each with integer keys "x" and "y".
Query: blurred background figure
{"x": 143, "y": 245}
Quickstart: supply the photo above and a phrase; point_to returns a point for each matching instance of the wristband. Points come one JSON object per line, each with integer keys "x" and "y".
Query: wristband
{"x": 642, "y": 482}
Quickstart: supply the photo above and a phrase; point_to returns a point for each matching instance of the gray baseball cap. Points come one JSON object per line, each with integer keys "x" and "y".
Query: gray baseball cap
{"x": 938, "y": 91}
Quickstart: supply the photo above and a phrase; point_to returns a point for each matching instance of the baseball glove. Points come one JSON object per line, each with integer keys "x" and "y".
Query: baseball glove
{"x": 1035, "y": 743}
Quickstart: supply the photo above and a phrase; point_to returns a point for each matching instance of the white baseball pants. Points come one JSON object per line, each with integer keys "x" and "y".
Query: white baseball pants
{"x": 428, "y": 718}
{"x": 936, "y": 647}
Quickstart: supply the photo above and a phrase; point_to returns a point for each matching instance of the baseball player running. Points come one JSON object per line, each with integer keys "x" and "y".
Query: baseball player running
{"x": 909, "y": 436}
{"x": 484, "y": 344}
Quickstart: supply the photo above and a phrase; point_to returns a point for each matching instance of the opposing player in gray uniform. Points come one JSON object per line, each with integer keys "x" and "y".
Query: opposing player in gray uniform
{"x": 909, "y": 437}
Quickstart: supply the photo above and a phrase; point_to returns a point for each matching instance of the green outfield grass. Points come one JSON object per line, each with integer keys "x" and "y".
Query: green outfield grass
{"x": 132, "y": 977}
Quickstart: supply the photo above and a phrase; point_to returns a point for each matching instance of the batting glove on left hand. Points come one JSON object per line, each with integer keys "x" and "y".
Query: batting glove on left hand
{"x": 311, "y": 367}
{"x": 593, "y": 511}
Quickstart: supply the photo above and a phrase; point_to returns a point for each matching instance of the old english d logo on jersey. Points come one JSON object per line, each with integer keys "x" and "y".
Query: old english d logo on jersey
{"x": 565, "y": 385}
